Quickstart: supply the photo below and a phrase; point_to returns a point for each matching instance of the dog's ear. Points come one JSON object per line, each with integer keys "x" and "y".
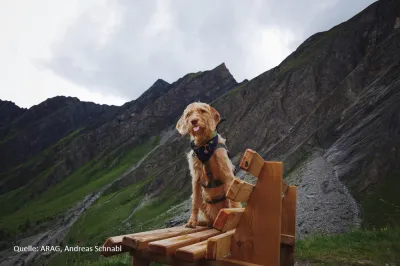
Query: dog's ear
{"x": 215, "y": 115}
{"x": 181, "y": 126}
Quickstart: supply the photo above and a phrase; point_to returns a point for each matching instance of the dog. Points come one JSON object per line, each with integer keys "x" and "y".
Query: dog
{"x": 211, "y": 169}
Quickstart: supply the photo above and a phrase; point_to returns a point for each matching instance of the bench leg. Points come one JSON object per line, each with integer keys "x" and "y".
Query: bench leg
{"x": 287, "y": 255}
{"x": 139, "y": 262}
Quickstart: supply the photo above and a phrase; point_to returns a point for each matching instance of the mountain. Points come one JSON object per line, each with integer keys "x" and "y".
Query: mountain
{"x": 63, "y": 150}
{"x": 9, "y": 111}
{"x": 40, "y": 127}
{"x": 159, "y": 88}
{"x": 330, "y": 111}
{"x": 105, "y": 128}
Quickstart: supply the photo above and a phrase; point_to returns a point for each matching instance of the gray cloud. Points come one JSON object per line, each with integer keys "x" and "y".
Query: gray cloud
{"x": 167, "y": 39}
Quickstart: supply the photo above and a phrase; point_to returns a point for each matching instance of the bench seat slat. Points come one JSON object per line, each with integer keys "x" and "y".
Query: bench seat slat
{"x": 140, "y": 241}
{"x": 170, "y": 245}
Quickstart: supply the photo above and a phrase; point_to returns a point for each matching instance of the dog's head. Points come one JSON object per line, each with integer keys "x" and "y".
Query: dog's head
{"x": 199, "y": 120}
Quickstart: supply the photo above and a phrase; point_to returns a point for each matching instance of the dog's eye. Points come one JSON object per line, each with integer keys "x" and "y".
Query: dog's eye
{"x": 188, "y": 114}
{"x": 202, "y": 111}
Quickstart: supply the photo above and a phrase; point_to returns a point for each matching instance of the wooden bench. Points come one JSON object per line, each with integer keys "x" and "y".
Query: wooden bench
{"x": 262, "y": 233}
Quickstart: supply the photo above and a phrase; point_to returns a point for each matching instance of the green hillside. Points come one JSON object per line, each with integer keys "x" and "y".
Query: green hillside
{"x": 28, "y": 216}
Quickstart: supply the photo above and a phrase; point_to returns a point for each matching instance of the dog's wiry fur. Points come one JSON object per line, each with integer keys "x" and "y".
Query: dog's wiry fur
{"x": 206, "y": 118}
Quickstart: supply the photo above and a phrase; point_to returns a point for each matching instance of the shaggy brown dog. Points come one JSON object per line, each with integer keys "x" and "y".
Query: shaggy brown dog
{"x": 200, "y": 121}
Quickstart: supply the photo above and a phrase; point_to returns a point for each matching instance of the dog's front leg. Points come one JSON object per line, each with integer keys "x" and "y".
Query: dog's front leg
{"x": 196, "y": 201}
{"x": 226, "y": 167}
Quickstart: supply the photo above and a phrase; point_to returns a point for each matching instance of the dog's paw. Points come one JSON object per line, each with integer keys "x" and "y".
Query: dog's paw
{"x": 191, "y": 223}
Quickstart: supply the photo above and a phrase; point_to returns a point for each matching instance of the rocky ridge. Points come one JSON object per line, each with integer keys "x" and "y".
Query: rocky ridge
{"x": 113, "y": 128}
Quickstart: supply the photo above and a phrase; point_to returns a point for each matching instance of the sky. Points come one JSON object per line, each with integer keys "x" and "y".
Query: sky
{"x": 111, "y": 51}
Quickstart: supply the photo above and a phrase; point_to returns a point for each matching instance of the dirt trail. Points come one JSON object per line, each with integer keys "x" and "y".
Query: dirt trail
{"x": 56, "y": 234}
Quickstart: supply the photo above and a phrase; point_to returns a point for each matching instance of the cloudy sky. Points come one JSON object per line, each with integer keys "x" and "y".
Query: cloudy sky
{"x": 112, "y": 51}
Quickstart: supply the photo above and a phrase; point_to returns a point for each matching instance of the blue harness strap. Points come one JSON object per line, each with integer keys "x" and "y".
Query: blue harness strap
{"x": 206, "y": 150}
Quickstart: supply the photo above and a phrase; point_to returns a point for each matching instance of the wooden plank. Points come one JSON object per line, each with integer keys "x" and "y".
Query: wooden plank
{"x": 117, "y": 241}
{"x": 239, "y": 191}
{"x": 114, "y": 243}
{"x": 289, "y": 212}
{"x": 258, "y": 235}
{"x": 228, "y": 219}
{"x": 193, "y": 252}
{"x": 252, "y": 162}
{"x": 287, "y": 255}
{"x": 287, "y": 239}
{"x": 288, "y": 226}
{"x": 284, "y": 188}
{"x": 141, "y": 240}
{"x": 170, "y": 245}
{"x": 219, "y": 246}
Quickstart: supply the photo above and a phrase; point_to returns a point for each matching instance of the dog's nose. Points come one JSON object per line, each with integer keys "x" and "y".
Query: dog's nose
{"x": 194, "y": 122}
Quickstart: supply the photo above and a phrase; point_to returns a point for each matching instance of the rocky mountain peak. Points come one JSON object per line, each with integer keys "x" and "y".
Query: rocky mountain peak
{"x": 8, "y": 112}
{"x": 221, "y": 67}
{"x": 156, "y": 90}
{"x": 222, "y": 70}
{"x": 160, "y": 83}
{"x": 158, "y": 87}
{"x": 57, "y": 102}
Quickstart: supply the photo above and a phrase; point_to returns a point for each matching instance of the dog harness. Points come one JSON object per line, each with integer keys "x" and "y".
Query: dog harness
{"x": 204, "y": 153}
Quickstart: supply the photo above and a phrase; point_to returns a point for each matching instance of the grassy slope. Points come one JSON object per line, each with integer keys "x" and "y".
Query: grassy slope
{"x": 15, "y": 199}
{"x": 376, "y": 243}
{"x": 123, "y": 211}
{"x": 359, "y": 247}
{"x": 34, "y": 215}
{"x": 381, "y": 206}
